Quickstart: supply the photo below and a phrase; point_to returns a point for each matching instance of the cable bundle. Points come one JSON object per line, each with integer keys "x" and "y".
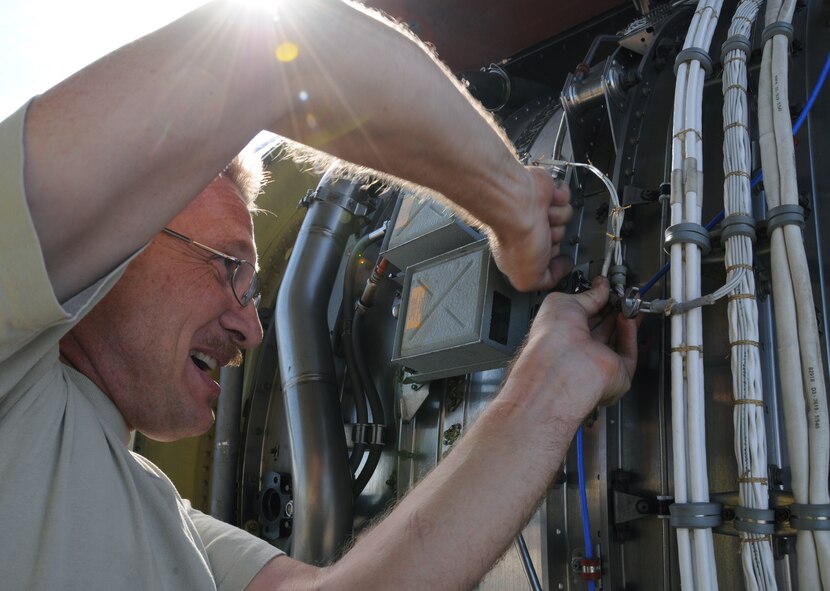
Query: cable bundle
{"x": 799, "y": 358}
{"x": 695, "y": 546}
{"x": 750, "y": 431}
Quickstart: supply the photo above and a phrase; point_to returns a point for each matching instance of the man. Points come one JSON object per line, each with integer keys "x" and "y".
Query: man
{"x": 126, "y": 153}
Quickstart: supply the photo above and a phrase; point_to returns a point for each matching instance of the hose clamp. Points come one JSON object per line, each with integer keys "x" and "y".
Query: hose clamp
{"x": 688, "y": 232}
{"x": 784, "y": 215}
{"x": 694, "y": 53}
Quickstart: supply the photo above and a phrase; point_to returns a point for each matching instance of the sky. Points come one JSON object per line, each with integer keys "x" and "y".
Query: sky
{"x": 44, "y": 41}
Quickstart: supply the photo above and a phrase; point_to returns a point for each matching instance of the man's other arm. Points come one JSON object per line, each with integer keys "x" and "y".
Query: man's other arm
{"x": 452, "y": 527}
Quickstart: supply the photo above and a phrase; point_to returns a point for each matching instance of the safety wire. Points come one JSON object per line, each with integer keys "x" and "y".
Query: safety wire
{"x": 799, "y": 354}
{"x": 750, "y": 432}
{"x": 616, "y": 212}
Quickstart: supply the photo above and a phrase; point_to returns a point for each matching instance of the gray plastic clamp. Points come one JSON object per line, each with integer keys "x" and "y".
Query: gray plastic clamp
{"x": 734, "y": 42}
{"x": 777, "y": 28}
{"x": 755, "y": 521}
{"x": 810, "y": 517}
{"x": 737, "y": 225}
{"x": 695, "y": 515}
{"x": 694, "y": 53}
{"x": 783, "y": 215}
{"x": 688, "y": 232}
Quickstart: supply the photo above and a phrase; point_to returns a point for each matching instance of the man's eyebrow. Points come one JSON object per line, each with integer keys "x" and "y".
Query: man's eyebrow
{"x": 241, "y": 246}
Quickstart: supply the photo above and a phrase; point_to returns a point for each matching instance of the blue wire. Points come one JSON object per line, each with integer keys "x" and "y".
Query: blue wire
{"x": 759, "y": 176}
{"x": 583, "y": 500}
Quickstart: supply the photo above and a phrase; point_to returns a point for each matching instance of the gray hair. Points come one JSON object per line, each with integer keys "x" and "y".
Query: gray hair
{"x": 247, "y": 174}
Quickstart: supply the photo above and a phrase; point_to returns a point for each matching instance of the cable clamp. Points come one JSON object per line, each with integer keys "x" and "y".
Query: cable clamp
{"x": 335, "y": 197}
{"x": 617, "y": 274}
{"x": 590, "y": 569}
{"x": 754, "y": 521}
{"x": 810, "y": 517}
{"x": 695, "y": 515}
{"x": 737, "y": 225}
{"x": 369, "y": 434}
{"x": 737, "y": 41}
{"x": 688, "y": 232}
{"x": 694, "y": 53}
{"x": 784, "y": 215}
{"x": 777, "y": 28}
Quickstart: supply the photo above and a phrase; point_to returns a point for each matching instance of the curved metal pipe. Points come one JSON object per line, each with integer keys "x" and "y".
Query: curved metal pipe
{"x": 321, "y": 476}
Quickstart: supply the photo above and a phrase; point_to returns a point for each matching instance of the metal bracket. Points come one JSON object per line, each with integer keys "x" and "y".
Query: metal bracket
{"x": 276, "y": 511}
{"x": 412, "y": 397}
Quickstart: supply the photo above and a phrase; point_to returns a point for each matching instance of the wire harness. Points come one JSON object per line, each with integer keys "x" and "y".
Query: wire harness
{"x": 754, "y": 520}
{"x": 695, "y": 546}
{"x": 799, "y": 354}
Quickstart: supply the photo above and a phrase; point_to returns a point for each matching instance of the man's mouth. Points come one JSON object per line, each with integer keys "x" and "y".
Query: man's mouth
{"x": 202, "y": 361}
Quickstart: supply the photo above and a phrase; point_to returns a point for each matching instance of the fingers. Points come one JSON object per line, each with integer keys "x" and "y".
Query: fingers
{"x": 559, "y": 215}
{"x": 559, "y": 267}
{"x": 593, "y": 300}
{"x": 626, "y": 344}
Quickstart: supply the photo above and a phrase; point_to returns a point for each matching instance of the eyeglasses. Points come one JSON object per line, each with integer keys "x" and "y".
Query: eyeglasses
{"x": 242, "y": 274}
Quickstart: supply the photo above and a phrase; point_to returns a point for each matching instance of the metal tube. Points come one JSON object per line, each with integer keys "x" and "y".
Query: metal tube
{"x": 321, "y": 476}
{"x": 226, "y": 446}
{"x": 527, "y": 563}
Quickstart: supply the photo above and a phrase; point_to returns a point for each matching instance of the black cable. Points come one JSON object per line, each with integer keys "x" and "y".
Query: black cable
{"x": 361, "y": 411}
{"x": 375, "y": 406}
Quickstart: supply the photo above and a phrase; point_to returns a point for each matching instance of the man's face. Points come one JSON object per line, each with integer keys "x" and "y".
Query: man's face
{"x": 173, "y": 314}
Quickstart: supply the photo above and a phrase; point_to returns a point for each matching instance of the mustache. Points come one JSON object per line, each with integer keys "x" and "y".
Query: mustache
{"x": 226, "y": 349}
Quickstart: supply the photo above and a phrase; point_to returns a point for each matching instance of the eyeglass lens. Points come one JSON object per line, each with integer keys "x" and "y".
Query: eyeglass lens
{"x": 245, "y": 284}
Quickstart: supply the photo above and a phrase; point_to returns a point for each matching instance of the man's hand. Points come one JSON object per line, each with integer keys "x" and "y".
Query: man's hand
{"x": 527, "y": 251}
{"x": 585, "y": 355}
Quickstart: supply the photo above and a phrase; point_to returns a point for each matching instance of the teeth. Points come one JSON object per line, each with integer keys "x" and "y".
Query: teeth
{"x": 206, "y": 359}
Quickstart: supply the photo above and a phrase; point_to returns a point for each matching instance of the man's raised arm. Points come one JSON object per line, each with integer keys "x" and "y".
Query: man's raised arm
{"x": 115, "y": 151}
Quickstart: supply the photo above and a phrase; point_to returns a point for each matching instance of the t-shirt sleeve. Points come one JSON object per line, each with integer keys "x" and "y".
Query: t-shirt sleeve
{"x": 27, "y": 301}
{"x": 32, "y": 321}
{"x": 235, "y": 556}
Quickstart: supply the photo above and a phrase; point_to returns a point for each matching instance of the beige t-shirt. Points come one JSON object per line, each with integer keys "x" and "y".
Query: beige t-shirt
{"x": 78, "y": 510}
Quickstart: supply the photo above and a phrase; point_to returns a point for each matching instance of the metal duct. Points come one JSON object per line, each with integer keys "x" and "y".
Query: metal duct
{"x": 321, "y": 476}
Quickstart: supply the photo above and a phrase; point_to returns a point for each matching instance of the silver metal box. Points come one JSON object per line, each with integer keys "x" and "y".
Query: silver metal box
{"x": 458, "y": 315}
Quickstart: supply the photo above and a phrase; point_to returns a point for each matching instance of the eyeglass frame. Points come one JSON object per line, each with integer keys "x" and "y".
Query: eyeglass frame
{"x": 252, "y": 293}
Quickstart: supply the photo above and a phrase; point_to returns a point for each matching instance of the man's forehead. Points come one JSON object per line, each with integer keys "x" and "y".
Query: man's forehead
{"x": 220, "y": 218}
